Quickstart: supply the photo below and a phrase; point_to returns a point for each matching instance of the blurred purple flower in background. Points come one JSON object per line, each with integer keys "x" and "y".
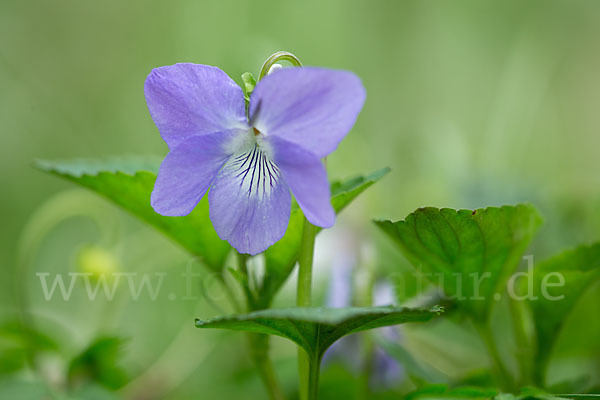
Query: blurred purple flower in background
{"x": 339, "y": 295}
{"x": 387, "y": 372}
{"x": 296, "y": 116}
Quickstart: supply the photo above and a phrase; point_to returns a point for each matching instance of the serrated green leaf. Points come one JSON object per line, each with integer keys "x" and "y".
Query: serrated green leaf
{"x": 580, "y": 268}
{"x": 281, "y": 258}
{"x": 315, "y": 329}
{"x": 128, "y": 182}
{"x": 461, "y": 246}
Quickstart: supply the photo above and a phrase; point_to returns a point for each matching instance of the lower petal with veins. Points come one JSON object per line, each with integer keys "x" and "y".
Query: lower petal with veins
{"x": 249, "y": 201}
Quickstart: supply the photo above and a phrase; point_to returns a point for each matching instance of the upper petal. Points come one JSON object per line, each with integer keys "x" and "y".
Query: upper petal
{"x": 192, "y": 99}
{"x": 307, "y": 178}
{"x": 189, "y": 169}
{"x": 249, "y": 202}
{"x": 311, "y": 107}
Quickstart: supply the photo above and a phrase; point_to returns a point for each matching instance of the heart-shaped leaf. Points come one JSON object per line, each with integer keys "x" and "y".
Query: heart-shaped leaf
{"x": 315, "y": 329}
{"x": 558, "y": 283}
{"x": 128, "y": 182}
{"x": 281, "y": 258}
{"x": 470, "y": 254}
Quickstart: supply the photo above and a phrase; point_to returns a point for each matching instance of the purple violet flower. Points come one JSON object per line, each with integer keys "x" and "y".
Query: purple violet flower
{"x": 296, "y": 116}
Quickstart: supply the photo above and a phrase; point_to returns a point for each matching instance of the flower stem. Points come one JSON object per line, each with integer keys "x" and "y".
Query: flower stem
{"x": 259, "y": 347}
{"x": 313, "y": 378}
{"x": 279, "y": 56}
{"x": 258, "y": 344}
{"x": 305, "y": 261}
{"x": 230, "y": 295}
{"x": 504, "y": 377}
{"x": 524, "y": 347}
{"x": 303, "y": 299}
{"x": 243, "y": 263}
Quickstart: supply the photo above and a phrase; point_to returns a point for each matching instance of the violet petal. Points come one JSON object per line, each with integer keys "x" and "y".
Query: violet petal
{"x": 188, "y": 170}
{"x": 307, "y": 178}
{"x": 249, "y": 201}
{"x": 310, "y": 107}
{"x": 191, "y": 99}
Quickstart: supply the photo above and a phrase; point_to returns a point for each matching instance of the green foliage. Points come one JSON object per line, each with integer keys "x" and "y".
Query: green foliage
{"x": 414, "y": 369}
{"x": 128, "y": 182}
{"x": 580, "y": 268}
{"x": 99, "y": 363}
{"x": 281, "y": 258}
{"x": 315, "y": 329}
{"x": 24, "y": 389}
{"x": 18, "y": 342}
{"x": 457, "y": 244}
{"x": 475, "y": 393}
{"x": 444, "y": 392}
{"x": 453, "y": 244}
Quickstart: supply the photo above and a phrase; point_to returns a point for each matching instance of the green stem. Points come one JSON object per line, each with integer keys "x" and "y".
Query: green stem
{"x": 279, "y": 56}
{"x": 365, "y": 300}
{"x": 258, "y": 344}
{"x": 305, "y": 258}
{"x": 242, "y": 263}
{"x": 259, "y": 347}
{"x": 230, "y": 295}
{"x": 314, "y": 366}
{"x": 524, "y": 347}
{"x": 304, "y": 298}
{"x": 305, "y": 261}
{"x": 364, "y": 391}
{"x": 251, "y": 304}
{"x": 504, "y": 377}
{"x": 539, "y": 374}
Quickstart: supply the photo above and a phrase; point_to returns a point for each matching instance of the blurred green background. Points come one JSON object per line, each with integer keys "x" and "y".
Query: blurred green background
{"x": 471, "y": 103}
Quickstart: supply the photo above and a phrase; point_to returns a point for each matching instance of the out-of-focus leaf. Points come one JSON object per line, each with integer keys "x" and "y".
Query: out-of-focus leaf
{"x": 34, "y": 389}
{"x": 99, "y": 363}
{"x": 579, "y": 268}
{"x": 90, "y": 392}
{"x": 18, "y": 342}
{"x": 22, "y": 389}
{"x": 315, "y": 329}
{"x": 128, "y": 182}
{"x": 532, "y": 393}
{"x": 461, "y": 246}
{"x": 412, "y": 366}
{"x": 281, "y": 258}
{"x": 580, "y": 384}
{"x": 440, "y": 391}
